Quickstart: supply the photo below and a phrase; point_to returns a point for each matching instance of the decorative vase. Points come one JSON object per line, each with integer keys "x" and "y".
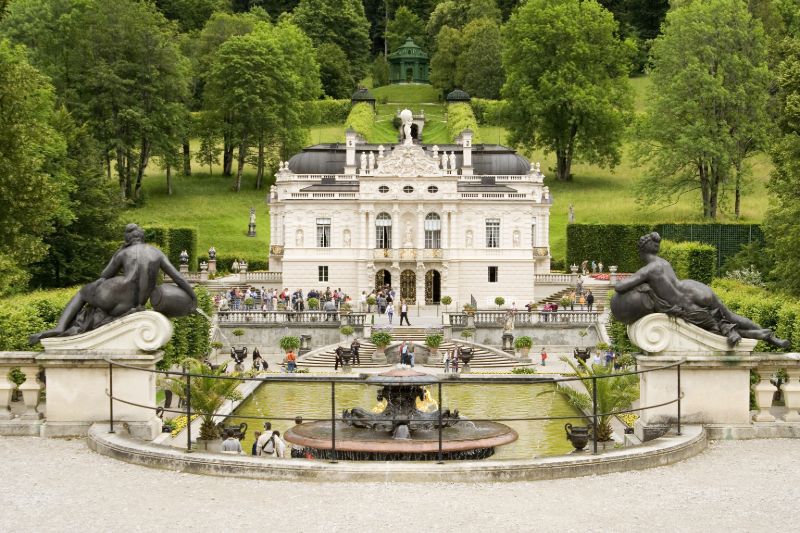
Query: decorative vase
{"x": 577, "y": 435}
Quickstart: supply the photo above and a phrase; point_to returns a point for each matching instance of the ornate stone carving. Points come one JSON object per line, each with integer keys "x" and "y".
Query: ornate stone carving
{"x": 660, "y": 334}
{"x": 408, "y": 161}
{"x": 146, "y": 331}
{"x": 276, "y": 249}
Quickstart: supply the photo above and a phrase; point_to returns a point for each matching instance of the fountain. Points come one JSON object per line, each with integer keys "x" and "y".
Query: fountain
{"x": 404, "y": 426}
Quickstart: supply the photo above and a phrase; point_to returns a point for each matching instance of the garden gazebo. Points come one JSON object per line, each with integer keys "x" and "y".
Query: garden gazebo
{"x": 408, "y": 64}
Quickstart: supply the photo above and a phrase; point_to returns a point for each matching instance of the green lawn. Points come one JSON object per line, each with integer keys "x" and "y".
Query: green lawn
{"x": 208, "y": 204}
{"x": 407, "y": 94}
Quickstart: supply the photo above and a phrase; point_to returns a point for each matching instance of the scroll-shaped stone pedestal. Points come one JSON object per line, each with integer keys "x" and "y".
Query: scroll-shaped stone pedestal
{"x": 715, "y": 378}
{"x": 78, "y": 376}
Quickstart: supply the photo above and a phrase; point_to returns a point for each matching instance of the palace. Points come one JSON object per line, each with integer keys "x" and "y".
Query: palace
{"x": 458, "y": 220}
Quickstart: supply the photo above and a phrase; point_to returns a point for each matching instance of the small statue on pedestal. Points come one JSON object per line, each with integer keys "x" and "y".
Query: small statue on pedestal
{"x": 251, "y": 227}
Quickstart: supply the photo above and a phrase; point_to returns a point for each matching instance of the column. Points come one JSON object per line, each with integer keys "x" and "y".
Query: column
{"x": 420, "y": 227}
{"x": 396, "y": 237}
{"x": 369, "y": 238}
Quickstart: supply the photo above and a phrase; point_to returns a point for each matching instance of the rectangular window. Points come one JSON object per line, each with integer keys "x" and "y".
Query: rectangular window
{"x": 323, "y": 273}
{"x": 533, "y": 234}
{"x": 433, "y": 232}
{"x": 493, "y": 233}
{"x": 493, "y": 274}
{"x": 323, "y": 233}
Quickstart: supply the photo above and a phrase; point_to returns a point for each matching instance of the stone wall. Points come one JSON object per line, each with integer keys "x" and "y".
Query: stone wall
{"x": 561, "y": 335}
{"x": 266, "y": 337}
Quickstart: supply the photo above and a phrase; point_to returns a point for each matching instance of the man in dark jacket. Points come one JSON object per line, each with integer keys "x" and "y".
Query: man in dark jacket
{"x": 589, "y": 300}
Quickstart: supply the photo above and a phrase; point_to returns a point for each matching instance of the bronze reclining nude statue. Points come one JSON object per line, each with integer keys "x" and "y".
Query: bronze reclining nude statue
{"x": 124, "y": 287}
{"x": 655, "y": 288}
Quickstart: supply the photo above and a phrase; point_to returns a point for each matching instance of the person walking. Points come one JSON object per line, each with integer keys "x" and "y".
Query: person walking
{"x": 411, "y": 354}
{"x": 256, "y": 436}
{"x": 291, "y": 361}
{"x": 446, "y": 360}
{"x": 231, "y": 444}
{"x": 404, "y": 353}
{"x": 543, "y": 356}
{"x": 390, "y": 311}
{"x": 354, "y": 347}
{"x": 589, "y": 300}
{"x": 404, "y": 312}
{"x": 454, "y": 360}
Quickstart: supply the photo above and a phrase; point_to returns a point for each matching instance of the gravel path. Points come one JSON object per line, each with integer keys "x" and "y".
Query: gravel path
{"x": 59, "y": 485}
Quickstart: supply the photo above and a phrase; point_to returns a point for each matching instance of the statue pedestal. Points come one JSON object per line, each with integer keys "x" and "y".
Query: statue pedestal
{"x": 714, "y": 378}
{"x": 78, "y": 376}
{"x": 251, "y": 230}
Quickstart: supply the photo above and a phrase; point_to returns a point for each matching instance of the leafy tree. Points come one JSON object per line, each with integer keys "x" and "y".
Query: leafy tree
{"x": 380, "y": 71}
{"x": 79, "y": 247}
{"x": 341, "y": 22}
{"x": 444, "y": 63}
{"x": 405, "y": 24}
{"x": 480, "y": 68}
{"x": 567, "y": 81}
{"x": 707, "y": 103}
{"x": 32, "y": 185}
{"x": 458, "y": 13}
{"x": 220, "y": 28}
{"x": 210, "y": 149}
{"x": 780, "y": 224}
{"x": 333, "y": 71}
{"x": 191, "y": 15}
{"x": 258, "y": 82}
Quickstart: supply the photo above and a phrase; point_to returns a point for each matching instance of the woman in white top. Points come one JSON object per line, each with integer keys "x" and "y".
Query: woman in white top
{"x": 390, "y": 311}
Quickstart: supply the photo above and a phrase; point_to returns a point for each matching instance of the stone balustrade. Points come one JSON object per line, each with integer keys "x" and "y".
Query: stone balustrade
{"x": 553, "y": 279}
{"x": 524, "y": 318}
{"x": 767, "y": 367}
{"x": 285, "y": 318}
{"x": 264, "y": 277}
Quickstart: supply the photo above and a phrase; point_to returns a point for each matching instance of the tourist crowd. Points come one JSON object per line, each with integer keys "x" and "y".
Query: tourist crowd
{"x": 264, "y": 299}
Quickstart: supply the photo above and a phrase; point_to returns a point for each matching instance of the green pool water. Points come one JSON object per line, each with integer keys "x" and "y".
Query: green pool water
{"x": 313, "y": 400}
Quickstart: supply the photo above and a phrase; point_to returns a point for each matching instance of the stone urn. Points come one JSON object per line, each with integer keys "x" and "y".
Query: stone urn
{"x": 347, "y": 355}
{"x": 577, "y": 435}
{"x": 466, "y": 357}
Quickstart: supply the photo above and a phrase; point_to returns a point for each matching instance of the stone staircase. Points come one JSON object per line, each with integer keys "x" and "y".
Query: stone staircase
{"x": 482, "y": 358}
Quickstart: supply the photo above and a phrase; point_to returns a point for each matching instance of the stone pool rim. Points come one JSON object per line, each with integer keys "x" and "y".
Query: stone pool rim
{"x": 660, "y": 452}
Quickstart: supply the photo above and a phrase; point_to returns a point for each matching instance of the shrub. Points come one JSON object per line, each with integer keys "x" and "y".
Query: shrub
{"x": 602, "y": 346}
{"x": 523, "y": 341}
{"x": 459, "y": 118}
{"x": 467, "y": 333}
{"x": 313, "y": 303}
{"x": 381, "y": 339}
{"x": 157, "y": 236}
{"x": 327, "y": 111}
{"x": 346, "y": 330}
{"x": 691, "y": 260}
{"x": 238, "y": 332}
{"x": 523, "y": 370}
{"x": 748, "y": 276}
{"x": 289, "y": 342}
{"x": 216, "y": 345}
{"x": 446, "y": 300}
{"x": 17, "y": 376}
{"x": 613, "y": 244}
{"x": 372, "y": 300}
{"x": 190, "y": 337}
{"x": 499, "y": 301}
{"x": 433, "y": 341}
{"x": 470, "y": 309}
{"x": 25, "y": 314}
{"x": 564, "y": 302}
{"x": 491, "y": 112}
{"x": 361, "y": 118}
{"x": 182, "y": 239}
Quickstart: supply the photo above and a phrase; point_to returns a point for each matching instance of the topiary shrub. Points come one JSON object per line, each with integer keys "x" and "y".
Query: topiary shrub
{"x": 691, "y": 260}
{"x": 381, "y": 339}
{"x": 459, "y": 118}
{"x": 523, "y": 342}
{"x": 313, "y": 303}
{"x": 499, "y": 301}
{"x": 361, "y": 118}
{"x": 434, "y": 341}
{"x": 467, "y": 333}
{"x": 346, "y": 330}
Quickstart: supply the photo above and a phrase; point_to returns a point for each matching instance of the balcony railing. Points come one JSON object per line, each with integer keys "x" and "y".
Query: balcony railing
{"x": 524, "y": 318}
{"x": 319, "y": 318}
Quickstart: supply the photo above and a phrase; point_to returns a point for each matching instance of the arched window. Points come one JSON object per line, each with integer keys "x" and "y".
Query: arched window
{"x": 433, "y": 231}
{"x": 383, "y": 231}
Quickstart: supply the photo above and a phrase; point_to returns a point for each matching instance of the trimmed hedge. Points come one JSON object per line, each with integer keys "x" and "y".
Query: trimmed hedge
{"x": 225, "y": 262}
{"x": 459, "y": 118}
{"x": 691, "y": 260}
{"x": 157, "y": 236}
{"x": 492, "y": 112}
{"x": 777, "y": 311}
{"x": 728, "y": 239}
{"x": 326, "y": 111}
{"x": 182, "y": 239}
{"x": 613, "y": 244}
{"x": 190, "y": 337}
{"x": 361, "y": 118}
{"x": 23, "y": 315}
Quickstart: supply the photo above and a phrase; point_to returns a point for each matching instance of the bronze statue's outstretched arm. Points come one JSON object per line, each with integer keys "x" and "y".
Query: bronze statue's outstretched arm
{"x": 634, "y": 280}
{"x": 179, "y": 280}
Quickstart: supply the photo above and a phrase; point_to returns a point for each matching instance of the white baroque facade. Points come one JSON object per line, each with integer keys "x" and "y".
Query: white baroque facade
{"x": 457, "y": 220}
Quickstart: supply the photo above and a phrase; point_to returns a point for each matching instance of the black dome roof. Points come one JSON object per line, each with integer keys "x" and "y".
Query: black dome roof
{"x": 457, "y": 96}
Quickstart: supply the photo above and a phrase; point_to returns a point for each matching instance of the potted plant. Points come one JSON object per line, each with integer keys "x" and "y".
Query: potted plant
{"x": 345, "y": 309}
{"x": 313, "y": 304}
{"x": 601, "y": 347}
{"x": 381, "y": 339}
{"x": 215, "y": 348}
{"x": 564, "y": 303}
{"x": 523, "y": 344}
{"x": 467, "y": 333}
{"x": 17, "y": 377}
{"x": 208, "y": 394}
{"x": 446, "y": 300}
{"x": 470, "y": 309}
{"x": 289, "y": 343}
{"x": 499, "y": 301}
{"x": 371, "y": 302}
{"x": 347, "y": 331}
{"x": 433, "y": 342}
{"x": 249, "y": 302}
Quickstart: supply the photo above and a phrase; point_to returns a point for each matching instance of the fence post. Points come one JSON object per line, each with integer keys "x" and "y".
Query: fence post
{"x": 594, "y": 414}
{"x": 679, "y": 398}
{"x": 188, "y": 413}
{"x": 111, "y": 398}
{"x": 439, "y": 459}
{"x": 333, "y": 422}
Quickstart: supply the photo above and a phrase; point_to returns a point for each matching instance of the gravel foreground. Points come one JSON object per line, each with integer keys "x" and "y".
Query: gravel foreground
{"x": 61, "y": 485}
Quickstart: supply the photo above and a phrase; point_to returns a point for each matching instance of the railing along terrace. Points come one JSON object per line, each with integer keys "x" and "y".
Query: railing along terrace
{"x": 553, "y": 278}
{"x": 269, "y": 277}
{"x": 590, "y": 382}
{"x": 525, "y": 318}
{"x": 290, "y": 317}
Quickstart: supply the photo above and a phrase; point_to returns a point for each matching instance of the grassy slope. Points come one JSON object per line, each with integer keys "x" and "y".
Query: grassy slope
{"x": 599, "y": 195}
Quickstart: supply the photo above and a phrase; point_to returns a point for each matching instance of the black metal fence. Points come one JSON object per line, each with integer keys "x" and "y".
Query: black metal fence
{"x": 474, "y": 379}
